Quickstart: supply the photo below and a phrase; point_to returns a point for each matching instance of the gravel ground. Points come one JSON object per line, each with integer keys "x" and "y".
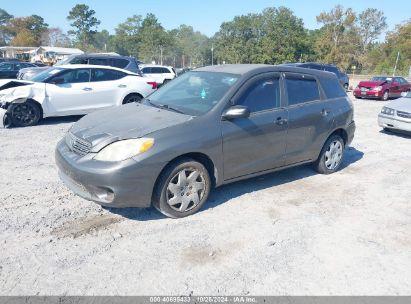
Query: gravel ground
{"x": 290, "y": 233}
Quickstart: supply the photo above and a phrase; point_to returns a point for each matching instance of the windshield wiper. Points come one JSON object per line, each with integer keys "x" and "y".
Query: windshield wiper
{"x": 164, "y": 106}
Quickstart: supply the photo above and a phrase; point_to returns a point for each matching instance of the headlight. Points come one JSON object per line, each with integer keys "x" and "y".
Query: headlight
{"x": 378, "y": 89}
{"x": 387, "y": 111}
{"x": 124, "y": 149}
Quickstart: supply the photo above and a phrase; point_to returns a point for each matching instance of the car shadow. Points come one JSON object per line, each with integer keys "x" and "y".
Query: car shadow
{"x": 59, "y": 120}
{"x": 398, "y": 133}
{"x": 225, "y": 193}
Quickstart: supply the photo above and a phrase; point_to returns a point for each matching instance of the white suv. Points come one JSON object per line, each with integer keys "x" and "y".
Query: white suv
{"x": 160, "y": 73}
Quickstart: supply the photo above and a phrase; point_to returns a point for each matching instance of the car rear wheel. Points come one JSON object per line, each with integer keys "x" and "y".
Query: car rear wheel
{"x": 182, "y": 189}
{"x": 385, "y": 96}
{"x": 132, "y": 98}
{"x": 25, "y": 114}
{"x": 331, "y": 155}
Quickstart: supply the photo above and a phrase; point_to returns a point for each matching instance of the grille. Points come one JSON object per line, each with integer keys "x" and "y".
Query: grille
{"x": 403, "y": 114}
{"x": 78, "y": 145}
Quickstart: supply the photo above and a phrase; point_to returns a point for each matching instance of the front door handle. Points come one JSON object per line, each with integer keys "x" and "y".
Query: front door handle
{"x": 87, "y": 89}
{"x": 122, "y": 86}
{"x": 281, "y": 121}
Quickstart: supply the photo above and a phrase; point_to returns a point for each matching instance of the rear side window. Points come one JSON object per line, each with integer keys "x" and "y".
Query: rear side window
{"x": 331, "y": 69}
{"x": 99, "y": 61}
{"x": 264, "y": 94}
{"x": 119, "y": 63}
{"x": 79, "y": 60}
{"x": 301, "y": 88}
{"x": 105, "y": 75}
{"x": 332, "y": 88}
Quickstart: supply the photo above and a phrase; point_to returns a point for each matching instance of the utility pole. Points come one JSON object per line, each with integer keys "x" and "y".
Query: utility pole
{"x": 212, "y": 54}
{"x": 396, "y": 63}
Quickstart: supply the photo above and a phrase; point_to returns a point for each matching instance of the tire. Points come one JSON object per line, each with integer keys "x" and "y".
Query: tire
{"x": 357, "y": 97}
{"x": 333, "y": 147}
{"x": 385, "y": 96}
{"x": 134, "y": 97}
{"x": 345, "y": 86}
{"x": 25, "y": 114}
{"x": 175, "y": 195}
{"x": 165, "y": 81}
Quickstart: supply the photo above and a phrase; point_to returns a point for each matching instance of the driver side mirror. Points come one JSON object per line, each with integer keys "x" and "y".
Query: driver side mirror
{"x": 236, "y": 112}
{"x": 57, "y": 81}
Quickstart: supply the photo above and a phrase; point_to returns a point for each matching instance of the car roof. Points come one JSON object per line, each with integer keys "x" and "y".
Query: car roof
{"x": 243, "y": 69}
{"x": 83, "y": 66}
{"x": 97, "y": 55}
{"x": 154, "y": 66}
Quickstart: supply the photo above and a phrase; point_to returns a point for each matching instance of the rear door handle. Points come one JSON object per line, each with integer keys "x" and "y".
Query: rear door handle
{"x": 122, "y": 86}
{"x": 87, "y": 89}
{"x": 325, "y": 112}
{"x": 281, "y": 121}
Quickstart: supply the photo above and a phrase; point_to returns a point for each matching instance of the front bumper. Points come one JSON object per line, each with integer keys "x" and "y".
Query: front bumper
{"x": 394, "y": 122}
{"x": 368, "y": 94}
{"x": 120, "y": 184}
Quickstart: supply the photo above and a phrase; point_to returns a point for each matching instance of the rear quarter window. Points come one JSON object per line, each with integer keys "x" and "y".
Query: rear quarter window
{"x": 332, "y": 88}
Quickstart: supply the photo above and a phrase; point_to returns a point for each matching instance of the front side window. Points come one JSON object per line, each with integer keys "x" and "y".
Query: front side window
{"x": 146, "y": 70}
{"x": 301, "y": 88}
{"x": 194, "y": 93}
{"x": 6, "y": 67}
{"x": 263, "y": 95}
{"x": 106, "y": 75}
{"x": 73, "y": 76}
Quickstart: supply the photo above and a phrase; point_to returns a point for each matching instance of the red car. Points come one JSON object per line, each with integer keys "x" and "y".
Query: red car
{"x": 382, "y": 87}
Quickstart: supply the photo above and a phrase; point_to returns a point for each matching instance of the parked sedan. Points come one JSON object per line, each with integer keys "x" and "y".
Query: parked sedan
{"x": 382, "y": 87}
{"x": 396, "y": 115}
{"x": 206, "y": 128}
{"x": 70, "y": 90}
{"x": 9, "y": 70}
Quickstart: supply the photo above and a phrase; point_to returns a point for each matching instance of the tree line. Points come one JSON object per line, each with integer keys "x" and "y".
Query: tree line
{"x": 346, "y": 38}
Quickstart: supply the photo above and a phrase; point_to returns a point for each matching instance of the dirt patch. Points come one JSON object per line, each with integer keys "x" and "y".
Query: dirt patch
{"x": 85, "y": 226}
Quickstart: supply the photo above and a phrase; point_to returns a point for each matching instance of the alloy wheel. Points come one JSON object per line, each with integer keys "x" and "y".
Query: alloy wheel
{"x": 333, "y": 155}
{"x": 186, "y": 189}
{"x": 24, "y": 114}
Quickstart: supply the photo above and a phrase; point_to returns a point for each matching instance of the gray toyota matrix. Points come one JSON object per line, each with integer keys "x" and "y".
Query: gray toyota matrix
{"x": 209, "y": 127}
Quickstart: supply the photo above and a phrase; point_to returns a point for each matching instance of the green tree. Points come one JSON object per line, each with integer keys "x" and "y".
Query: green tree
{"x": 5, "y": 17}
{"x": 339, "y": 39}
{"x": 82, "y": 18}
{"x": 27, "y": 31}
{"x": 155, "y": 42}
{"x": 127, "y": 36}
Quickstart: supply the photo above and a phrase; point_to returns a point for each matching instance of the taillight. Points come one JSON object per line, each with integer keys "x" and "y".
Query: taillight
{"x": 153, "y": 84}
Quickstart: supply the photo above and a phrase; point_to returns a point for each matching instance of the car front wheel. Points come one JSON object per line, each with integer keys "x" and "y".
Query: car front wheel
{"x": 182, "y": 189}
{"x": 385, "y": 96}
{"x": 331, "y": 155}
{"x": 25, "y": 114}
{"x": 132, "y": 98}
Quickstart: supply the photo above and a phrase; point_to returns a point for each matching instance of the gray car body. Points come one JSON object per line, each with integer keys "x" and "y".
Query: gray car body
{"x": 230, "y": 149}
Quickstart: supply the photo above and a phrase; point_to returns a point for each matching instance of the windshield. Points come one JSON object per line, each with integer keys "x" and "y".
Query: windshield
{"x": 43, "y": 76}
{"x": 381, "y": 78}
{"x": 64, "y": 60}
{"x": 194, "y": 93}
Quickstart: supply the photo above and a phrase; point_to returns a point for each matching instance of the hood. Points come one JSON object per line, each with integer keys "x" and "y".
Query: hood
{"x": 129, "y": 121}
{"x": 11, "y": 83}
{"x": 21, "y": 90}
{"x": 400, "y": 104}
{"x": 370, "y": 84}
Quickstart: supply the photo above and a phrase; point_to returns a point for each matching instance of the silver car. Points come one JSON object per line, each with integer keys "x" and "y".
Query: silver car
{"x": 396, "y": 115}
